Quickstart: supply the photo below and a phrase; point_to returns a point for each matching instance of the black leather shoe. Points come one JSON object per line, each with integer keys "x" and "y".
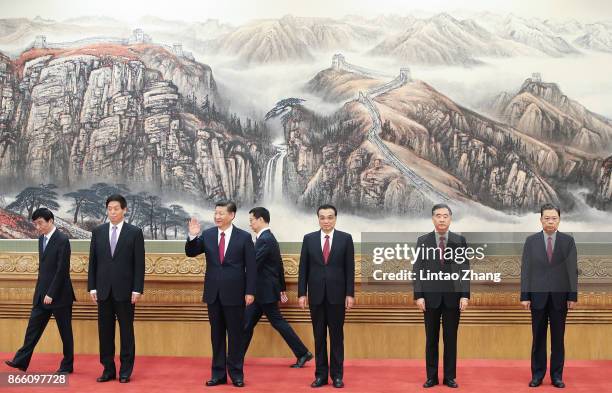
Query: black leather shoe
{"x": 558, "y": 383}
{"x": 239, "y": 383}
{"x": 64, "y": 370}
{"x": 302, "y": 360}
{"x": 450, "y": 383}
{"x": 318, "y": 382}
{"x": 124, "y": 379}
{"x": 14, "y": 365}
{"x": 106, "y": 378}
{"x": 338, "y": 383}
{"x": 430, "y": 383}
{"x": 535, "y": 383}
{"x": 215, "y": 382}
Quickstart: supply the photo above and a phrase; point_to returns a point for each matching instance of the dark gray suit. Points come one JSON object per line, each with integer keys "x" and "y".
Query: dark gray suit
{"x": 549, "y": 285}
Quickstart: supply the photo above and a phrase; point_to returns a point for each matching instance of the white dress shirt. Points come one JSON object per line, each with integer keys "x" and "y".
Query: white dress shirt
{"x": 48, "y": 236}
{"x": 228, "y": 235}
{"x": 331, "y": 238}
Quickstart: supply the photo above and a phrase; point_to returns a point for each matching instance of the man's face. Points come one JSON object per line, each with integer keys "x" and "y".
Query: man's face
{"x": 550, "y": 220}
{"x": 115, "y": 212}
{"x": 43, "y": 227}
{"x": 256, "y": 224}
{"x": 223, "y": 217}
{"x": 327, "y": 219}
{"x": 441, "y": 219}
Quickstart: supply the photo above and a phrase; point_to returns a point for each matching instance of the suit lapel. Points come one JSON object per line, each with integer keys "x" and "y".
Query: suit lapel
{"x": 214, "y": 236}
{"x": 542, "y": 248}
{"x": 105, "y": 239}
{"x": 40, "y": 248}
{"x": 334, "y": 246}
{"x": 49, "y": 243}
{"x": 317, "y": 244}
{"x": 229, "y": 245}
{"x": 122, "y": 235}
{"x": 556, "y": 248}
{"x": 430, "y": 242}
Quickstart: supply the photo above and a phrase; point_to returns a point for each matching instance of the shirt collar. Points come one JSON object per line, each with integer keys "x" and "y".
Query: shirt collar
{"x": 262, "y": 231}
{"x": 48, "y": 236}
{"x": 119, "y": 225}
{"x": 228, "y": 231}
{"x": 331, "y": 234}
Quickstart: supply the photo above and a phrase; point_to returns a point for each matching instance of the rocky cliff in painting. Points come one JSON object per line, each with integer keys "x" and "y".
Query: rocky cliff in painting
{"x": 459, "y": 153}
{"x": 137, "y": 113}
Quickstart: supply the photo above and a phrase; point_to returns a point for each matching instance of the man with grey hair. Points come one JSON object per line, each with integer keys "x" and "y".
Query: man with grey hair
{"x": 441, "y": 299}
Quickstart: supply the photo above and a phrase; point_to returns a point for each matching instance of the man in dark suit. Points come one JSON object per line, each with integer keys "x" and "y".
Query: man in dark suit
{"x": 270, "y": 288}
{"x": 116, "y": 283}
{"x": 327, "y": 275}
{"x": 53, "y": 294}
{"x": 229, "y": 284}
{"x": 441, "y": 297}
{"x": 549, "y": 282}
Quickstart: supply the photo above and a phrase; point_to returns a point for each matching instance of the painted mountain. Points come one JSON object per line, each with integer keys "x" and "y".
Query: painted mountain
{"x": 139, "y": 113}
{"x": 359, "y": 156}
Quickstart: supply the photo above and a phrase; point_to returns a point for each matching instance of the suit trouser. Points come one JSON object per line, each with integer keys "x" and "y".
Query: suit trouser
{"x": 450, "y": 325}
{"x": 328, "y": 316}
{"x": 252, "y": 315}
{"x": 39, "y": 317}
{"x": 539, "y": 329}
{"x": 109, "y": 310}
{"x": 226, "y": 322}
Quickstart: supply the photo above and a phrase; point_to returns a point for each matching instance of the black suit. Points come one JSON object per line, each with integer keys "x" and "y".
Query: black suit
{"x": 442, "y": 299}
{"x": 328, "y": 285}
{"x": 548, "y": 286}
{"x": 225, "y": 286}
{"x": 53, "y": 281}
{"x": 115, "y": 277}
{"x": 270, "y": 282}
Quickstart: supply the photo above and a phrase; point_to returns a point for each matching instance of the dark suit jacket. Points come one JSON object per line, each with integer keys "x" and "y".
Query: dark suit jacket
{"x": 122, "y": 273}
{"x": 54, "y": 272}
{"x": 270, "y": 271}
{"x": 334, "y": 280}
{"x": 539, "y": 278}
{"x": 236, "y": 276}
{"x": 437, "y": 292}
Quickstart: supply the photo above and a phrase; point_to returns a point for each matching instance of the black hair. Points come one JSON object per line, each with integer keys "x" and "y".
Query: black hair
{"x": 549, "y": 206}
{"x": 261, "y": 212}
{"x": 230, "y": 205}
{"x": 117, "y": 198}
{"x": 327, "y": 206}
{"x": 43, "y": 213}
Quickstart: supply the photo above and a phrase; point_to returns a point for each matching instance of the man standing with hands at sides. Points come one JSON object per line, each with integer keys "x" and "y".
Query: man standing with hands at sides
{"x": 229, "y": 285}
{"x": 270, "y": 288}
{"x": 441, "y": 299}
{"x": 53, "y": 294}
{"x": 549, "y": 282}
{"x": 116, "y": 283}
{"x": 327, "y": 276}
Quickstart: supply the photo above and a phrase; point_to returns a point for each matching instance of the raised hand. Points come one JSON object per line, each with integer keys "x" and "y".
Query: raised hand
{"x": 194, "y": 227}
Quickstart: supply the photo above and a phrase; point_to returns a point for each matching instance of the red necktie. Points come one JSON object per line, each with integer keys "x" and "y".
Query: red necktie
{"x": 326, "y": 249}
{"x": 222, "y": 247}
{"x": 549, "y": 249}
{"x": 441, "y": 246}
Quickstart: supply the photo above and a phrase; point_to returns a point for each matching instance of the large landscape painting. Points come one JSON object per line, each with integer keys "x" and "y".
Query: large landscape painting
{"x": 381, "y": 114}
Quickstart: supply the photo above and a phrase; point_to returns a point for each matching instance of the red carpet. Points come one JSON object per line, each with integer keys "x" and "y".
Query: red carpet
{"x": 180, "y": 374}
